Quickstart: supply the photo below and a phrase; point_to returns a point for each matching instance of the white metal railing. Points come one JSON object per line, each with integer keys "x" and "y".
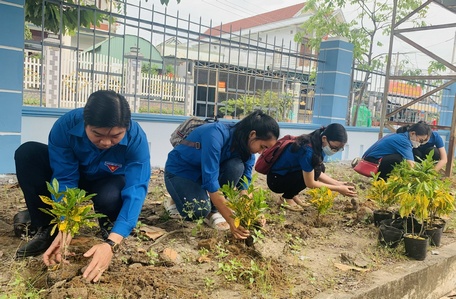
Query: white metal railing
{"x": 82, "y": 73}
{"x": 32, "y": 76}
{"x": 166, "y": 87}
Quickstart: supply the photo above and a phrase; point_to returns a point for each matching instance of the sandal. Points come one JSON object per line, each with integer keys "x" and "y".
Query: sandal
{"x": 171, "y": 208}
{"x": 216, "y": 221}
{"x": 301, "y": 203}
{"x": 291, "y": 207}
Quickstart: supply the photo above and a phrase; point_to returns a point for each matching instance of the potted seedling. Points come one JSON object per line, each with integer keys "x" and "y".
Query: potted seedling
{"x": 71, "y": 210}
{"x": 380, "y": 193}
{"x": 248, "y": 206}
{"x": 322, "y": 199}
{"x": 415, "y": 189}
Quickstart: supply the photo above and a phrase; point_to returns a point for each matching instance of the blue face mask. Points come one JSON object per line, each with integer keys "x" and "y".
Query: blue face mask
{"x": 328, "y": 151}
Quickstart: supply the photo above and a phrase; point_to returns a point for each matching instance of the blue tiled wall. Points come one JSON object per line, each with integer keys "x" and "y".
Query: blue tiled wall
{"x": 11, "y": 80}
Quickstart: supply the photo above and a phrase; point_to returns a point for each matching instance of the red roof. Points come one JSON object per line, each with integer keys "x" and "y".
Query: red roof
{"x": 258, "y": 20}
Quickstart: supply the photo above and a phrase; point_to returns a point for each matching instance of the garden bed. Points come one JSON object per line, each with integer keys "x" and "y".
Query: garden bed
{"x": 296, "y": 258}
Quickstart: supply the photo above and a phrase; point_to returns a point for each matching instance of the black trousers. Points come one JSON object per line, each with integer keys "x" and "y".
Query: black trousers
{"x": 291, "y": 183}
{"x": 33, "y": 170}
{"x": 420, "y": 153}
{"x": 387, "y": 164}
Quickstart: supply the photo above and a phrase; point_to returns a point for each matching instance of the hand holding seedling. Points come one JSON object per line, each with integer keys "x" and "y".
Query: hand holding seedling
{"x": 71, "y": 211}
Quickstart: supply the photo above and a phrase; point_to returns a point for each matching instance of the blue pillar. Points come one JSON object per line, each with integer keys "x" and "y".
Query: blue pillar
{"x": 446, "y": 113}
{"x": 333, "y": 84}
{"x": 11, "y": 78}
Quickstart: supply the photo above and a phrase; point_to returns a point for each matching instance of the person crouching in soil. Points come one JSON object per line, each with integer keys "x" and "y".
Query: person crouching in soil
{"x": 193, "y": 176}
{"x": 99, "y": 149}
{"x": 301, "y": 165}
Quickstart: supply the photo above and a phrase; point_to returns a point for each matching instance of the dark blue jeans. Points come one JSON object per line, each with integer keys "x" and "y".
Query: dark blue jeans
{"x": 191, "y": 200}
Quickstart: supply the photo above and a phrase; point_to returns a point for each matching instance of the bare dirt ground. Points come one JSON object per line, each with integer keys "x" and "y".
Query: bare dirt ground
{"x": 298, "y": 257}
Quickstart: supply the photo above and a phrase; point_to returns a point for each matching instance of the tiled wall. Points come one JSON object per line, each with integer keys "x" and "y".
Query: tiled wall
{"x": 11, "y": 77}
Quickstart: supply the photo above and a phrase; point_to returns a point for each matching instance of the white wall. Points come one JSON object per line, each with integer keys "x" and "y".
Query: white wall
{"x": 158, "y": 132}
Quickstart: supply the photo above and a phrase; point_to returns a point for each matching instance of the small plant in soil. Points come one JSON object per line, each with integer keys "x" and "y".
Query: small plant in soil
{"x": 380, "y": 193}
{"x": 70, "y": 210}
{"x": 322, "y": 199}
{"x": 248, "y": 206}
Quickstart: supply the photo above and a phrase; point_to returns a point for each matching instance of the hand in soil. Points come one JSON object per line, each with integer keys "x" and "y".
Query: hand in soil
{"x": 347, "y": 190}
{"x": 53, "y": 255}
{"x": 102, "y": 256}
{"x": 238, "y": 232}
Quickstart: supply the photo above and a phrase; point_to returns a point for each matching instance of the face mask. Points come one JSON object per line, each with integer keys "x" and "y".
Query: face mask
{"x": 415, "y": 144}
{"x": 327, "y": 150}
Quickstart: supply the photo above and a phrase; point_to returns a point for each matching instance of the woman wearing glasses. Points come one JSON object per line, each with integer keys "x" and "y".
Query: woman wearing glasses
{"x": 394, "y": 148}
{"x": 434, "y": 142}
{"x": 301, "y": 165}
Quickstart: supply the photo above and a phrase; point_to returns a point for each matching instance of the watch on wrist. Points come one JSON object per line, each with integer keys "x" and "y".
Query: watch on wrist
{"x": 114, "y": 245}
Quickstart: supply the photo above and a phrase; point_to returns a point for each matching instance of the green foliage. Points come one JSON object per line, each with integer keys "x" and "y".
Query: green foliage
{"x": 275, "y": 105}
{"x": 322, "y": 199}
{"x": 420, "y": 191}
{"x": 147, "y": 68}
{"x": 248, "y": 207}
{"x": 153, "y": 257}
{"x": 19, "y": 287}
{"x": 165, "y": 2}
{"x": 160, "y": 110}
{"x": 69, "y": 18}
{"x": 380, "y": 193}
{"x": 70, "y": 210}
{"x": 373, "y": 18}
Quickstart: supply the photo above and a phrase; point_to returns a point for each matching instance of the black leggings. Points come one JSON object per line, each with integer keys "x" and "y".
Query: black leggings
{"x": 33, "y": 170}
{"x": 291, "y": 183}
{"x": 420, "y": 153}
{"x": 387, "y": 164}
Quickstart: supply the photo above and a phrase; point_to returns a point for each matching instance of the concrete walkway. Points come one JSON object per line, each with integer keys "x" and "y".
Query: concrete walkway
{"x": 433, "y": 278}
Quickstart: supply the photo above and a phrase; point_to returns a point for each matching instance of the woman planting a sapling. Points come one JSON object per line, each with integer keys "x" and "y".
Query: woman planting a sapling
{"x": 99, "y": 149}
{"x": 434, "y": 142}
{"x": 396, "y": 147}
{"x": 301, "y": 165}
{"x": 194, "y": 175}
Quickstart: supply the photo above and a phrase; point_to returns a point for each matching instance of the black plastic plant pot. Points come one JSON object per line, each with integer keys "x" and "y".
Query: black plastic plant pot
{"x": 413, "y": 226}
{"x": 389, "y": 236}
{"x": 434, "y": 234}
{"x": 396, "y": 223}
{"x": 416, "y": 247}
{"x": 380, "y": 215}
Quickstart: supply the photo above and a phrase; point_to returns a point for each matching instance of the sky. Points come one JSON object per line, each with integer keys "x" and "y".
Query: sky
{"x": 441, "y": 41}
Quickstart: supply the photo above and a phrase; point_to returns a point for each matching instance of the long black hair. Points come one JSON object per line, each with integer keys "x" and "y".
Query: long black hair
{"x": 264, "y": 125}
{"x": 107, "y": 109}
{"x": 420, "y": 128}
{"x": 333, "y": 132}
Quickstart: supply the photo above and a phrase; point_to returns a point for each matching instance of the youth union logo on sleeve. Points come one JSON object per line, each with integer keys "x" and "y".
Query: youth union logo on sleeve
{"x": 113, "y": 166}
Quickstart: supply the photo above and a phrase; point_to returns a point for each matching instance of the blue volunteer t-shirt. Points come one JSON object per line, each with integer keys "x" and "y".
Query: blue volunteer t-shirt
{"x": 290, "y": 161}
{"x": 435, "y": 140}
{"x": 203, "y": 165}
{"x": 71, "y": 153}
{"x": 397, "y": 143}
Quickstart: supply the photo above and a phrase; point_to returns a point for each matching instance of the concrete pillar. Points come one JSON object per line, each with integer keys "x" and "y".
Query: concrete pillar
{"x": 448, "y": 98}
{"x": 189, "y": 98}
{"x": 296, "y": 89}
{"x": 133, "y": 79}
{"x": 333, "y": 82}
{"x": 52, "y": 69}
{"x": 11, "y": 80}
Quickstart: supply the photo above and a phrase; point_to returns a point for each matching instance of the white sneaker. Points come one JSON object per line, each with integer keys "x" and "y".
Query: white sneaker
{"x": 171, "y": 208}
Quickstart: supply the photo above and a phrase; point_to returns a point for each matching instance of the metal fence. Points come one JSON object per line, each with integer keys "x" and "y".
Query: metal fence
{"x": 168, "y": 64}
{"x": 172, "y": 65}
{"x": 368, "y": 100}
